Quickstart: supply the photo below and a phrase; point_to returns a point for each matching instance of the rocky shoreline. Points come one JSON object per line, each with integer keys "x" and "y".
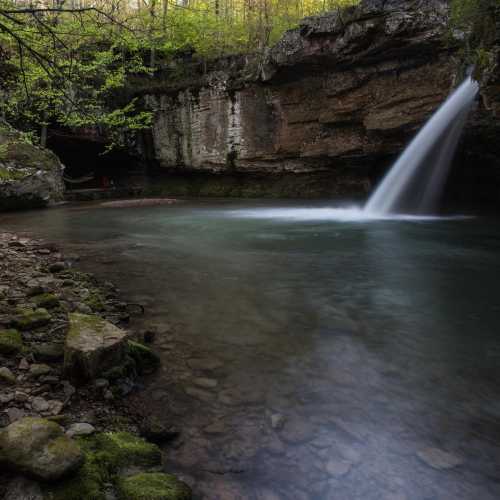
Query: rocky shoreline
{"x": 67, "y": 364}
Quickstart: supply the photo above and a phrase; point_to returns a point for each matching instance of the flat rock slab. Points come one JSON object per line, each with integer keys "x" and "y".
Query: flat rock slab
{"x": 93, "y": 346}
{"x": 39, "y": 448}
{"x": 439, "y": 459}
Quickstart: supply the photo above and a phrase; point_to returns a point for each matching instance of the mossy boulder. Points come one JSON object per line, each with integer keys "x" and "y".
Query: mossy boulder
{"x": 28, "y": 319}
{"x": 39, "y": 448}
{"x": 153, "y": 486}
{"x": 46, "y": 300}
{"x": 30, "y": 176}
{"x": 93, "y": 346}
{"x": 145, "y": 359}
{"x": 105, "y": 455}
{"x": 11, "y": 342}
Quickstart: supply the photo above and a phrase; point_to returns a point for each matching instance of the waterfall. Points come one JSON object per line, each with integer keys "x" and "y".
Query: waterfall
{"x": 414, "y": 183}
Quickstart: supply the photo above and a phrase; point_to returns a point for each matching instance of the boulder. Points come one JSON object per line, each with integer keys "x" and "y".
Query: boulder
{"x": 93, "y": 345}
{"x": 39, "y": 448}
{"x": 30, "y": 176}
{"x": 153, "y": 486}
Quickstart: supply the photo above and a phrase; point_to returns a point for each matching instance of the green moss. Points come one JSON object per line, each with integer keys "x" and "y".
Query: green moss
{"x": 87, "y": 484}
{"x": 95, "y": 301}
{"x": 145, "y": 359}
{"x": 29, "y": 319}
{"x": 10, "y": 174}
{"x": 47, "y": 300}
{"x": 11, "y": 342}
{"x": 153, "y": 486}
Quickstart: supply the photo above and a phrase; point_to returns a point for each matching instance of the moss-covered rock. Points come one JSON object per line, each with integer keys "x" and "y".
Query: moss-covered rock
{"x": 122, "y": 449}
{"x": 146, "y": 360}
{"x": 11, "y": 342}
{"x": 153, "y": 486}
{"x": 30, "y": 176}
{"x": 29, "y": 319}
{"x": 46, "y": 300}
{"x": 39, "y": 448}
{"x": 95, "y": 302}
{"x": 105, "y": 455}
{"x": 93, "y": 345}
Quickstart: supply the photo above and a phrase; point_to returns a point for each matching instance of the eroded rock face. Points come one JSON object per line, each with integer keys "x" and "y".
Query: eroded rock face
{"x": 341, "y": 95}
{"x": 30, "y": 177}
{"x": 93, "y": 345}
{"x": 39, "y": 448}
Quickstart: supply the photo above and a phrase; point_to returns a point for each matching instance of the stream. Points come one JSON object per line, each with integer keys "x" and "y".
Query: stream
{"x": 305, "y": 357}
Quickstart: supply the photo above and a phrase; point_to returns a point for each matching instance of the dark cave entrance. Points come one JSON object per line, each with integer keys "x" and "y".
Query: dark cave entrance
{"x": 89, "y": 167}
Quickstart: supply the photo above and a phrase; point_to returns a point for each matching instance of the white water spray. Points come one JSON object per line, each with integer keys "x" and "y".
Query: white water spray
{"x": 416, "y": 179}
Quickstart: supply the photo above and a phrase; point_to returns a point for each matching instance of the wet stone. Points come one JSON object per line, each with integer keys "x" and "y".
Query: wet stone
{"x": 204, "y": 364}
{"x": 439, "y": 459}
{"x": 338, "y": 468}
{"x": 37, "y": 370}
{"x": 205, "y": 383}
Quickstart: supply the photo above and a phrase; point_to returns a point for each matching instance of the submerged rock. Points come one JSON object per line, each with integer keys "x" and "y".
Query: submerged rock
{"x": 93, "y": 345}
{"x": 39, "y": 448}
{"x": 439, "y": 459}
{"x": 153, "y": 486}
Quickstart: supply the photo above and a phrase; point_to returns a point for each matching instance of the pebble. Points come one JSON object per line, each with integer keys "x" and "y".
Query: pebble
{"x": 21, "y": 397}
{"x": 15, "y": 414}
{"x": 39, "y": 404}
{"x": 338, "y": 468}
{"x": 277, "y": 421}
{"x": 80, "y": 429}
{"x": 24, "y": 365}
{"x": 37, "y": 370}
{"x": 6, "y": 398}
{"x": 204, "y": 364}
{"x": 57, "y": 267}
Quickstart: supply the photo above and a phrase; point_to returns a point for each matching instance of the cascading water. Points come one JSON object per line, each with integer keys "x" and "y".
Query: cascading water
{"x": 415, "y": 181}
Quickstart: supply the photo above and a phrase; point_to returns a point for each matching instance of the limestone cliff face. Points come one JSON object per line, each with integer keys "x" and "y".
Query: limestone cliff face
{"x": 342, "y": 94}
{"x": 338, "y": 90}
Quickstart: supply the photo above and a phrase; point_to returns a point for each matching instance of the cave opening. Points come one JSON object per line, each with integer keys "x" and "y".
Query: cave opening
{"x": 89, "y": 167}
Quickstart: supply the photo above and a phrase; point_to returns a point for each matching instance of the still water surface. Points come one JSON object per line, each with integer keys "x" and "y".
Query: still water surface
{"x": 310, "y": 358}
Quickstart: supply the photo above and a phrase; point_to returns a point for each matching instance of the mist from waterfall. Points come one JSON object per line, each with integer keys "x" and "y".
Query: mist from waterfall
{"x": 415, "y": 182}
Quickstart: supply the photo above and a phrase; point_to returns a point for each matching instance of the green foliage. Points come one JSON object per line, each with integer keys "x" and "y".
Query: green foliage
{"x": 475, "y": 23}
{"x": 70, "y": 66}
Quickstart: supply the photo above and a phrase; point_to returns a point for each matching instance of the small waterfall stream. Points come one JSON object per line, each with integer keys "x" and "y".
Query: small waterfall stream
{"x": 414, "y": 183}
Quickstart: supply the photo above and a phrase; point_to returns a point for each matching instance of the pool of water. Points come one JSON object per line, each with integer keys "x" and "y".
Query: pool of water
{"x": 310, "y": 353}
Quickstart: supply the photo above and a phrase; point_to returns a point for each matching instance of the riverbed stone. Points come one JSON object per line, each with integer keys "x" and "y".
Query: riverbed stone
{"x": 11, "y": 342}
{"x": 39, "y": 448}
{"x": 439, "y": 459}
{"x": 6, "y": 376}
{"x": 48, "y": 351}
{"x": 80, "y": 429}
{"x": 146, "y": 360}
{"x": 39, "y": 369}
{"x": 93, "y": 346}
{"x": 153, "y": 486}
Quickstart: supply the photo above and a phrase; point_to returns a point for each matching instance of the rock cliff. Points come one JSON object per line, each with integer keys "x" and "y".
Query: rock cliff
{"x": 336, "y": 99}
